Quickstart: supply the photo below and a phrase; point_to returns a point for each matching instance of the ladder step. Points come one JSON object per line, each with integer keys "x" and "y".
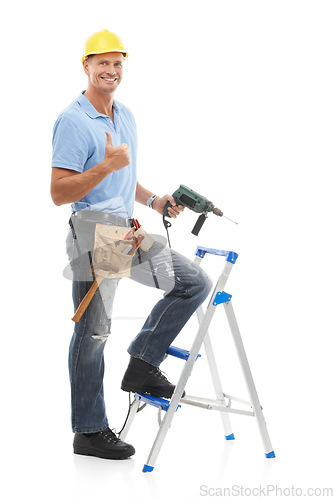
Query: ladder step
{"x": 177, "y": 352}
{"x": 154, "y": 401}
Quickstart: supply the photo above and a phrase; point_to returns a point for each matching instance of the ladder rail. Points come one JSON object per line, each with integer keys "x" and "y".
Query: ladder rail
{"x": 215, "y": 375}
{"x": 248, "y": 378}
{"x": 132, "y": 413}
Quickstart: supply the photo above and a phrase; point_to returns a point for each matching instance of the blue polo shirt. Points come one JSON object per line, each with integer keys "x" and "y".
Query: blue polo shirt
{"x": 79, "y": 142}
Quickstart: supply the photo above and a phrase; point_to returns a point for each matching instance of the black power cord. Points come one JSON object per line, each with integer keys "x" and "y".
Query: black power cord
{"x": 167, "y": 224}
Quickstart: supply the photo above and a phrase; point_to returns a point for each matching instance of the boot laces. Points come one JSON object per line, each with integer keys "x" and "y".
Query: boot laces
{"x": 109, "y": 435}
{"x": 160, "y": 374}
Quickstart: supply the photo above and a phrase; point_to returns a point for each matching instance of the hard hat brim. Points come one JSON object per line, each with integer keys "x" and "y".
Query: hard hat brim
{"x": 84, "y": 57}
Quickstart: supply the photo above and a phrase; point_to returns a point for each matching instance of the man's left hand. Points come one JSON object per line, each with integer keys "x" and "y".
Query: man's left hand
{"x": 159, "y": 205}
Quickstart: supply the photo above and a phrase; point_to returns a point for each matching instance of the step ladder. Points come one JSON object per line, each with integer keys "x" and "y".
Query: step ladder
{"x": 218, "y": 297}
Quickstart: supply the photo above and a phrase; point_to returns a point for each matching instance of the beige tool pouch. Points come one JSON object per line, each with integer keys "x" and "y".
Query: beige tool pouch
{"x": 114, "y": 248}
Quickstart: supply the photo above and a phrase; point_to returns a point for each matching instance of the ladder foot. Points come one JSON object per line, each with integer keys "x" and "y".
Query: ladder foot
{"x": 230, "y": 437}
{"x": 271, "y": 454}
{"x": 147, "y": 468}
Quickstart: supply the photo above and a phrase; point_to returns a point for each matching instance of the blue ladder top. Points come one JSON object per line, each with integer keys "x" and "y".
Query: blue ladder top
{"x": 230, "y": 256}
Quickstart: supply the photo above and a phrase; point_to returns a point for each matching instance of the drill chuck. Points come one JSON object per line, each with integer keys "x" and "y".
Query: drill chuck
{"x": 218, "y": 212}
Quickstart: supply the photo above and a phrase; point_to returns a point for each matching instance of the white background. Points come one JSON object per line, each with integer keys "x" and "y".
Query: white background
{"x": 235, "y": 100}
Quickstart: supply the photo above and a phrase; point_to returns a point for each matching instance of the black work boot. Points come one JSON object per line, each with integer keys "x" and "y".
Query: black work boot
{"x": 104, "y": 444}
{"x": 144, "y": 378}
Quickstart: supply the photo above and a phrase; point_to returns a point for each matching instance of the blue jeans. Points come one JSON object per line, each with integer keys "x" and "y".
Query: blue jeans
{"x": 185, "y": 285}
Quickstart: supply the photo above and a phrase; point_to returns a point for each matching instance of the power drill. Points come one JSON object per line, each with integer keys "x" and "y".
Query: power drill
{"x": 196, "y": 202}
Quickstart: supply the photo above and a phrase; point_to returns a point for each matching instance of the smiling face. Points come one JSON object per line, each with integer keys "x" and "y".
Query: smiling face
{"x": 104, "y": 71}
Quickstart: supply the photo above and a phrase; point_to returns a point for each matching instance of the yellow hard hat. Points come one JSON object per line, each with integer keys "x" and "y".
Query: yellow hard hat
{"x": 101, "y": 42}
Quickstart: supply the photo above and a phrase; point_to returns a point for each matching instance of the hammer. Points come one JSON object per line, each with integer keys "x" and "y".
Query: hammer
{"x": 89, "y": 295}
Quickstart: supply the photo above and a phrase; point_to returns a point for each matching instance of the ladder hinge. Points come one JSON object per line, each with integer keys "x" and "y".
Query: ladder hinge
{"x": 221, "y": 297}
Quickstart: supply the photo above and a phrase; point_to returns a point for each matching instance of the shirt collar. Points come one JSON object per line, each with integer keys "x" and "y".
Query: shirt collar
{"x": 89, "y": 109}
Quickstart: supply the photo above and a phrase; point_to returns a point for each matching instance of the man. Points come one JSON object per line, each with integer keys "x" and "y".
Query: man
{"x": 94, "y": 169}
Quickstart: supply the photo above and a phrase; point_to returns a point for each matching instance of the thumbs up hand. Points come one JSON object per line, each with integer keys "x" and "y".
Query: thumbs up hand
{"x": 116, "y": 157}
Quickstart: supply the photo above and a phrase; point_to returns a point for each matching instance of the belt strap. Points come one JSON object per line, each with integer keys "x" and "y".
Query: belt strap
{"x": 103, "y": 217}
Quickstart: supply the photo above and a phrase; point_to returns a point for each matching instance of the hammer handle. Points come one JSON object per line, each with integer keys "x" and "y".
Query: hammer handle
{"x": 86, "y": 300}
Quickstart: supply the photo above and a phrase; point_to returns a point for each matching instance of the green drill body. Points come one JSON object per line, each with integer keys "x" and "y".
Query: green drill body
{"x": 192, "y": 200}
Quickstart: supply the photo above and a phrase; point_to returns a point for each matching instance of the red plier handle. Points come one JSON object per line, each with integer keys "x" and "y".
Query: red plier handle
{"x": 136, "y": 223}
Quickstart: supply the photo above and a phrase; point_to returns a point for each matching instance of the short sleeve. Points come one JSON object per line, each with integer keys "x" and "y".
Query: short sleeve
{"x": 69, "y": 147}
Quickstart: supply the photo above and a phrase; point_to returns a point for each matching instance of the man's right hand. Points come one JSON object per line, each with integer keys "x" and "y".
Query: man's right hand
{"x": 116, "y": 158}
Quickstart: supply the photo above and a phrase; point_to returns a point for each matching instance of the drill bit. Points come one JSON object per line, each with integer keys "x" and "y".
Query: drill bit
{"x": 218, "y": 212}
{"x": 230, "y": 219}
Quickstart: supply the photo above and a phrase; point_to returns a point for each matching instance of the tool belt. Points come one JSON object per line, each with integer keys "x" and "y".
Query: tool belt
{"x": 103, "y": 217}
{"x": 114, "y": 248}
{"x": 115, "y": 242}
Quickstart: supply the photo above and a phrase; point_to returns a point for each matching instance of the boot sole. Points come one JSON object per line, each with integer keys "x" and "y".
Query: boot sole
{"x": 91, "y": 453}
{"x": 147, "y": 390}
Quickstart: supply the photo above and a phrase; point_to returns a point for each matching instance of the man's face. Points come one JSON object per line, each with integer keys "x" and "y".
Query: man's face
{"x": 104, "y": 71}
